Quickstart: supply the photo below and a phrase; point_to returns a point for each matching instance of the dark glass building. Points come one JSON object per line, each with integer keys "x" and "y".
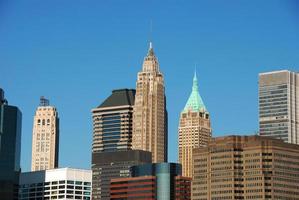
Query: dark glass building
{"x": 109, "y": 165}
{"x": 161, "y": 181}
{"x": 112, "y": 122}
{"x": 10, "y": 149}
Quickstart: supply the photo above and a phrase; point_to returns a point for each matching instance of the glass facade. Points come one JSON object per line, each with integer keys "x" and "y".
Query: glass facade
{"x": 10, "y": 149}
{"x": 109, "y": 165}
{"x": 112, "y": 122}
{"x": 165, "y": 174}
{"x": 278, "y": 110}
{"x": 60, "y": 183}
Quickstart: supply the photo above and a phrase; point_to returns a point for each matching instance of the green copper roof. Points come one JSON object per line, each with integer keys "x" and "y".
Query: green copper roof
{"x": 195, "y": 102}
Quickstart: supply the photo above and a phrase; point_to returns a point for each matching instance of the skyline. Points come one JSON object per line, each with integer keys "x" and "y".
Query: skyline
{"x": 68, "y": 58}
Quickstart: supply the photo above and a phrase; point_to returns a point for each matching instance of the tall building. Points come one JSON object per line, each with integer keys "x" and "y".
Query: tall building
{"x": 59, "y": 183}
{"x": 10, "y": 149}
{"x": 45, "y": 137}
{"x": 194, "y": 129}
{"x": 113, "y": 121}
{"x": 150, "y": 115}
{"x": 278, "y": 105}
{"x": 159, "y": 181}
{"x": 246, "y": 167}
{"x": 112, "y": 153}
{"x": 109, "y": 165}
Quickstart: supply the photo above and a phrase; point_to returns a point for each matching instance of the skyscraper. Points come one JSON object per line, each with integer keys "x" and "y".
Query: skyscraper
{"x": 10, "y": 149}
{"x": 278, "y": 105}
{"x": 113, "y": 121}
{"x": 45, "y": 137}
{"x": 194, "y": 128}
{"x": 112, "y": 142}
{"x": 150, "y": 115}
{"x": 246, "y": 167}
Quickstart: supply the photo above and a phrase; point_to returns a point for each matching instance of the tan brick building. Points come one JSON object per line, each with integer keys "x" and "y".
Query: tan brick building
{"x": 246, "y": 167}
{"x": 150, "y": 115}
{"x": 45, "y": 137}
{"x": 194, "y": 128}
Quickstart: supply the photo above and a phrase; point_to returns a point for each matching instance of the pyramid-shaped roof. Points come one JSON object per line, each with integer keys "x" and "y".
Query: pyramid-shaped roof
{"x": 195, "y": 102}
{"x": 119, "y": 97}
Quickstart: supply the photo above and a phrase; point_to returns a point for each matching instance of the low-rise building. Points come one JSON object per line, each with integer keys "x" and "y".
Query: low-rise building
{"x": 61, "y": 183}
{"x": 159, "y": 181}
{"x": 246, "y": 167}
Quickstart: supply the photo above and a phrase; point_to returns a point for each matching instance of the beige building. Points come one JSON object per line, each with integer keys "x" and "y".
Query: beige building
{"x": 150, "y": 116}
{"x": 194, "y": 129}
{"x": 45, "y": 137}
{"x": 246, "y": 167}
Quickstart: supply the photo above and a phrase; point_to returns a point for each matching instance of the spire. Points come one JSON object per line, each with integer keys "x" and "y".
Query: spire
{"x": 150, "y": 50}
{"x": 195, "y": 102}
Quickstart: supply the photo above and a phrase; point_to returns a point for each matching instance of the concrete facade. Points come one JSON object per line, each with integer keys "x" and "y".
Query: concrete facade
{"x": 45, "y": 137}
{"x": 246, "y": 167}
{"x": 150, "y": 115}
{"x": 279, "y": 105}
{"x": 60, "y": 183}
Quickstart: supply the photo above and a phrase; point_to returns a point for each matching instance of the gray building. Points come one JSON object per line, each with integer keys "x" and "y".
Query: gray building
{"x": 110, "y": 165}
{"x": 279, "y": 105}
{"x": 10, "y": 149}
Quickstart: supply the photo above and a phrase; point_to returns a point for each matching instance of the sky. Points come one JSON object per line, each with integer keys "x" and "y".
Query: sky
{"x": 76, "y": 52}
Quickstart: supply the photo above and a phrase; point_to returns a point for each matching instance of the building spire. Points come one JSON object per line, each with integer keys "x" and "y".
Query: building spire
{"x": 150, "y": 50}
{"x": 195, "y": 102}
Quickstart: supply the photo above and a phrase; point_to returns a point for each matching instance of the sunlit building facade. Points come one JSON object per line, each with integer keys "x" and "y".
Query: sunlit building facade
{"x": 150, "y": 115}
{"x": 194, "y": 128}
{"x": 279, "y": 105}
{"x": 45, "y": 137}
{"x": 246, "y": 167}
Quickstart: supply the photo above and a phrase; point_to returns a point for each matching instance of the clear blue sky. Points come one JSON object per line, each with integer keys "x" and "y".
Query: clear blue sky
{"x": 76, "y": 52}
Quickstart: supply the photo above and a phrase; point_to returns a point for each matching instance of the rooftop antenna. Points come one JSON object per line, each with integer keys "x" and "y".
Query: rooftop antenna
{"x": 151, "y": 32}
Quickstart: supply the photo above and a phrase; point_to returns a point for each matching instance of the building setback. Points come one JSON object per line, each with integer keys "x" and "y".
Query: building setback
{"x": 194, "y": 128}
{"x": 113, "y": 121}
{"x": 45, "y": 137}
{"x": 246, "y": 167}
{"x": 10, "y": 149}
{"x": 159, "y": 181}
{"x": 60, "y": 183}
{"x": 109, "y": 165}
{"x": 279, "y": 105}
{"x": 150, "y": 115}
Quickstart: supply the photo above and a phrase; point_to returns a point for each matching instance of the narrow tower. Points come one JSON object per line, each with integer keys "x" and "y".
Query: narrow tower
{"x": 150, "y": 115}
{"x": 194, "y": 128}
{"x": 45, "y": 138}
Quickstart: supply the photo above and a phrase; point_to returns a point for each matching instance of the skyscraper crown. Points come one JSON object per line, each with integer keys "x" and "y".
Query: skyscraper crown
{"x": 150, "y": 63}
{"x": 195, "y": 102}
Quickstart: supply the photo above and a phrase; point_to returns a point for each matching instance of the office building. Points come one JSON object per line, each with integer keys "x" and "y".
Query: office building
{"x": 150, "y": 115}
{"x": 194, "y": 128}
{"x": 59, "y": 183}
{"x": 161, "y": 181}
{"x": 45, "y": 137}
{"x": 279, "y": 105}
{"x": 10, "y": 149}
{"x": 113, "y": 121}
{"x": 246, "y": 167}
{"x": 109, "y": 165}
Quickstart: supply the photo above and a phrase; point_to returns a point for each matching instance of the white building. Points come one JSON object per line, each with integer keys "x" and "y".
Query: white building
{"x": 61, "y": 183}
